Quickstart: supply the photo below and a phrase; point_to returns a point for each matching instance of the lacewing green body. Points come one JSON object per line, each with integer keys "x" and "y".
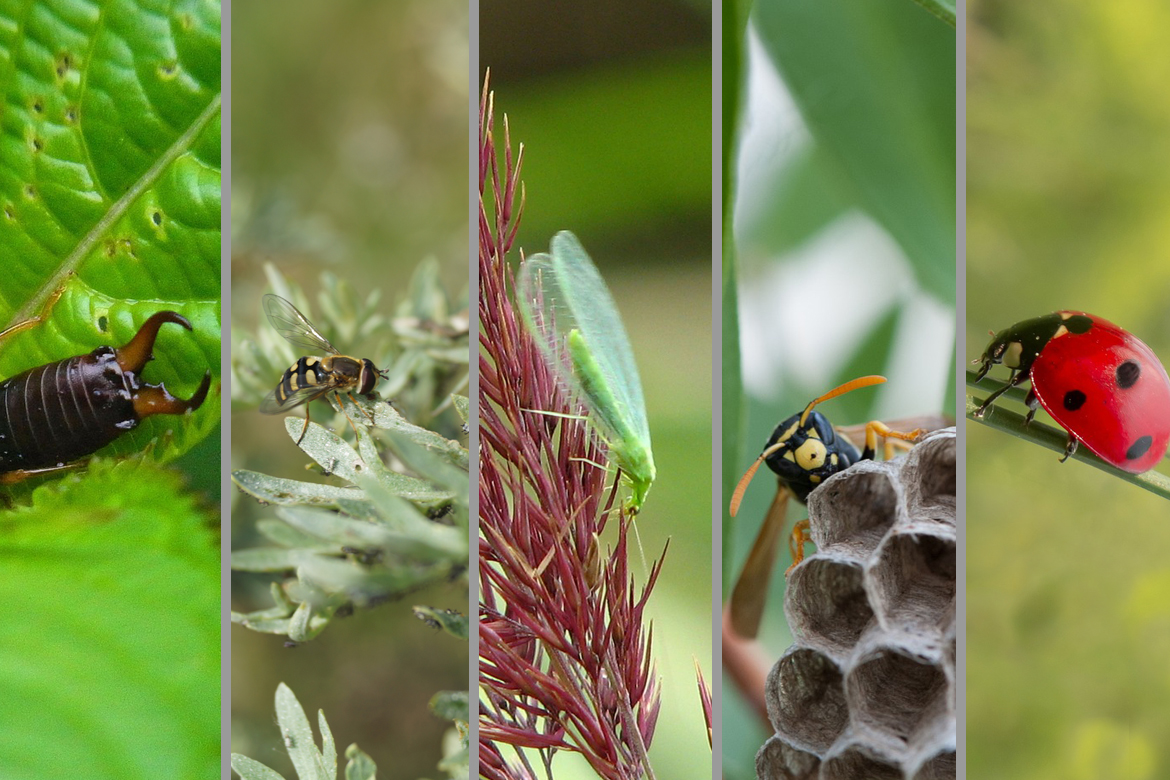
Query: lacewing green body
{"x": 571, "y": 315}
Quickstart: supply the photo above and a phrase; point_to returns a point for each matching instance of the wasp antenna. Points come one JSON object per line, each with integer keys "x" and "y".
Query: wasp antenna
{"x": 737, "y": 496}
{"x": 853, "y": 384}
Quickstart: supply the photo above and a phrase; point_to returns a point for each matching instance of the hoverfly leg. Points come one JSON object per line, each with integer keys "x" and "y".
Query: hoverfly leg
{"x": 305, "y": 427}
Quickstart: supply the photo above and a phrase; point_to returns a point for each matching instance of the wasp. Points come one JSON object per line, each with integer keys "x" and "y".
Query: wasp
{"x": 312, "y": 377}
{"x": 803, "y": 451}
{"x": 55, "y": 414}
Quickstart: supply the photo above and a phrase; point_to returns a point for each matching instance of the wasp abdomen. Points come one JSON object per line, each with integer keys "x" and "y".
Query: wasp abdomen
{"x": 53, "y": 414}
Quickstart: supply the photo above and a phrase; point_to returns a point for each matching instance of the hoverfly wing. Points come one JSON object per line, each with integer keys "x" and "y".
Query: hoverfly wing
{"x": 295, "y": 327}
{"x": 277, "y": 401}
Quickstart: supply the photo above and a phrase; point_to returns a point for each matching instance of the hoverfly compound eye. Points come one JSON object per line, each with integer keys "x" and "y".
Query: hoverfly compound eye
{"x": 369, "y": 377}
{"x": 811, "y": 455}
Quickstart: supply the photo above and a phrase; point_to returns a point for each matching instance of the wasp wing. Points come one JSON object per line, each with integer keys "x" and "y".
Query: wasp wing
{"x": 295, "y": 327}
{"x": 272, "y": 403}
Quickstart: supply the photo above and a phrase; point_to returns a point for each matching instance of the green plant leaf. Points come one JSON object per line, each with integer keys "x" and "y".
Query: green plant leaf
{"x": 451, "y": 705}
{"x": 110, "y": 192}
{"x": 110, "y": 654}
{"x": 454, "y": 623}
{"x": 253, "y": 770}
{"x": 875, "y": 82}
{"x": 310, "y": 763}
{"x": 359, "y": 766}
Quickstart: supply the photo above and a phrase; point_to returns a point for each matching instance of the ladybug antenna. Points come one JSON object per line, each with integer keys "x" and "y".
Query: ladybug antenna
{"x": 741, "y": 488}
{"x": 862, "y": 381}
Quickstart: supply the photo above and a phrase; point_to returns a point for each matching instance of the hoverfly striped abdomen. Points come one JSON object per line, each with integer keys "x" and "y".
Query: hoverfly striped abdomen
{"x": 312, "y": 377}
{"x": 54, "y": 414}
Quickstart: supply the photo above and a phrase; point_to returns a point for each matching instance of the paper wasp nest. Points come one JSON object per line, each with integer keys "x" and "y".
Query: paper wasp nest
{"x": 868, "y": 688}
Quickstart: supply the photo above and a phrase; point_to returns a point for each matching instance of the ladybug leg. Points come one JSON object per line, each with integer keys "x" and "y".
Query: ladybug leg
{"x": 800, "y": 536}
{"x": 1033, "y": 403}
{"x": 1070, "y": 448}
{"x": 1016, "y": 378}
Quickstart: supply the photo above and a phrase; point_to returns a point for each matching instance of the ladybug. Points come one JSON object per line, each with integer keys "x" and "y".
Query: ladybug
{"x": 1103, "y": 385}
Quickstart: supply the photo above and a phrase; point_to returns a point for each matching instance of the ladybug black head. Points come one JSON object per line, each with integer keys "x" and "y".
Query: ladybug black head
{"x": 1018, "y": 347}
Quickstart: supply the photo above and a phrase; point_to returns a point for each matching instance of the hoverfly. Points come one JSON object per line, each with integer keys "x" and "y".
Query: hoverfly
{"x": 312, "y": 377}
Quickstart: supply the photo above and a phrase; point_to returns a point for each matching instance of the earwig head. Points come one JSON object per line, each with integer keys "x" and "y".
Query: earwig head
{"x": 804, "y": 449}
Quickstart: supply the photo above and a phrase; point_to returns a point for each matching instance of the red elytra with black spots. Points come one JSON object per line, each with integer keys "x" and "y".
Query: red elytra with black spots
{"x": 1100, "y": 382}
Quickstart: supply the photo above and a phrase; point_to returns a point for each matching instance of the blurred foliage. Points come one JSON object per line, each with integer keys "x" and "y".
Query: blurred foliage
{"x": 843, "y": 245}
{"x": 1067, "y": 621}
{"x": 349, "y": 156}
{"x": 612, "y": 101}
{"x": 111, "y": 653}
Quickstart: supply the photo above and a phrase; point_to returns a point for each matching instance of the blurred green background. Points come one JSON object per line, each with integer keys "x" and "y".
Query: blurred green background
{"x": 612, "y": 101}
{"x": 1068, "y": 580}
{"x": 349, "y": 148}
{"x": 840, "y": 261}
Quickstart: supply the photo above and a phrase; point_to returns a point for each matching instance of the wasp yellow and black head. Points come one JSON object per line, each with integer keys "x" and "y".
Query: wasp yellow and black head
{"x": 805, "y": 450}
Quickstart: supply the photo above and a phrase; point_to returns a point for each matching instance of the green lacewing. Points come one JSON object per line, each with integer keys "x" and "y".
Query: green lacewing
{"x": 571, "y": 315}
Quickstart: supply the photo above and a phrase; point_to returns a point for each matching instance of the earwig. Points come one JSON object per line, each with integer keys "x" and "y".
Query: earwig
{"x": 56, "y": 414}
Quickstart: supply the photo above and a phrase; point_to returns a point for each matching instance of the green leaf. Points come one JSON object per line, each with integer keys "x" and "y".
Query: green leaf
{"x": 451, "y": 705}
{"x": 359, "y": 766}
{"x": 253, "y": 770}
{"x": 943, "y": 9}
{"x": 875, "y": 83}
{"x": 454, "y": 623}
{"x": 110, "y": 192}
{"x": 110, "y": 653}
{"x": 297, "y": 734}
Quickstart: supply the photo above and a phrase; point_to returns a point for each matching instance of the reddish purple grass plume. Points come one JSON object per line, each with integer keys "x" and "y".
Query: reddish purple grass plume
{"x": 564, "y": 655}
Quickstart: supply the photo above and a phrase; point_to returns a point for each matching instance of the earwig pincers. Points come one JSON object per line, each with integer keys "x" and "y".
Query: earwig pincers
{"x": 55, "y": 414}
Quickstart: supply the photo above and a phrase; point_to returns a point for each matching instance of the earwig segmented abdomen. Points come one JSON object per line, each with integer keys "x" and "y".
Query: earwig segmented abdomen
{"x": 59, "y": 412}
{"x": 54, "y": 414}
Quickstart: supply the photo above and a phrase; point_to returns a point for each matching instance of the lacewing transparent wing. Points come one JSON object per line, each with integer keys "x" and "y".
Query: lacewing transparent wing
{"x": 571, "y": 315}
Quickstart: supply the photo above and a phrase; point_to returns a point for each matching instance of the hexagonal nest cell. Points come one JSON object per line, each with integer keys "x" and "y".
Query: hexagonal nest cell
{"x": 868, "y": 688}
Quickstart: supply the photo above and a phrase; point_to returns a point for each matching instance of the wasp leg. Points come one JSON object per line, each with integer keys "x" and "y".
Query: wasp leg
{"x": 875, "y": 429}
{"x": 800, "y": 536}
{"x": 137, "y": 351}
{"x": 1070, "y": 448}
{"x": 150, "y": 400}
